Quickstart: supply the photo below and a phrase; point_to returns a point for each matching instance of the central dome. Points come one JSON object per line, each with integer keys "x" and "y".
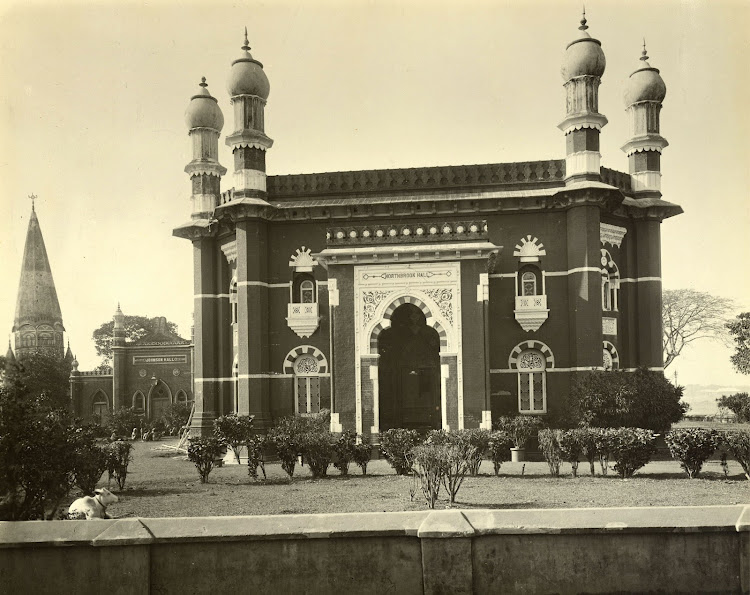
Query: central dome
{"x": 583, "y": 56}
{"x": 247, "y": 77}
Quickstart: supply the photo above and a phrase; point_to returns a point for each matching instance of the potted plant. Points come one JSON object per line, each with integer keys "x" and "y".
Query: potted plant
{"x": 520, "y": 428}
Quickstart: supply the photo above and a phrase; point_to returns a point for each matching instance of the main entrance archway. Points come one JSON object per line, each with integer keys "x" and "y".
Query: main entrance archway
{"x": 409, "y": 371}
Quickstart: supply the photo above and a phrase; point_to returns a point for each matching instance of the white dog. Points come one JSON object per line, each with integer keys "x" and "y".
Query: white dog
{"x": 89, "y": 508}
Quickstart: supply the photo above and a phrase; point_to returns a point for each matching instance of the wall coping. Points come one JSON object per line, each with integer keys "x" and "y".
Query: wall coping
{"x": 421, "y": 524}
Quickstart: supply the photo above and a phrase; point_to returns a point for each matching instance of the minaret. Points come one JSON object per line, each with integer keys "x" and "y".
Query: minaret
{"x": 643, "y": 96}
{"x": 204, "y": 121}
{"x": 248, "y": 88}
{"x": 119, "y": 364}
{"x": 582, "y": 69}
{"x": 38, "y": 322}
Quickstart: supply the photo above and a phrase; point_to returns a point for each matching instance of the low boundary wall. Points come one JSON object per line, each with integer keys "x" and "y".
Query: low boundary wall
{"x": 670, "y": 549}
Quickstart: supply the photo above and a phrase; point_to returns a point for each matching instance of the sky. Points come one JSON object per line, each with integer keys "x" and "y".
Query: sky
{"x": 94, "y": 95}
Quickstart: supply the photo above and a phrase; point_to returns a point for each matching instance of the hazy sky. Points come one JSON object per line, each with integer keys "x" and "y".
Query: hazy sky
{"x": 94, "y": 95}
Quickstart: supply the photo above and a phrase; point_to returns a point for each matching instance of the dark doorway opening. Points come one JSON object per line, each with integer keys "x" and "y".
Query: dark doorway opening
{"x": 409, "y": 372}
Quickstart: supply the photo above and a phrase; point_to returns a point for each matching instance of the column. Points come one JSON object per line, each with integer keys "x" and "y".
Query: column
{"x": 648, "y": 293}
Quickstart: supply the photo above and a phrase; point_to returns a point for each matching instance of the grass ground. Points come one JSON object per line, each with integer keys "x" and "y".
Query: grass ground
{"x": 161, "y": 484}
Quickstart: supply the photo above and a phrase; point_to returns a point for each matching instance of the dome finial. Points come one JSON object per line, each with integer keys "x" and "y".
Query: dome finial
{"x": 33, "y": 197}
{"x": 644, "y": 55}
{"x": 246, "y": 47}
{"x": 583, "y": 26}
{"x": 203, "y": 82}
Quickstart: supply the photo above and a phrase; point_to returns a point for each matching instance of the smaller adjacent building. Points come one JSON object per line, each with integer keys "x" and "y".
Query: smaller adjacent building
{"x": 147, "y": 374}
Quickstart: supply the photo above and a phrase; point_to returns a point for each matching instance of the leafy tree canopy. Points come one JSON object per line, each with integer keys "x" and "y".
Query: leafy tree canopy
{"x": 739, "y": 329}
{"x": 738, "y": 403}
{"x": 42, "y": 375}
{"x": 640, "y": 399}
{"x": 688, "y": 315}
{"x": 136, "y": 328}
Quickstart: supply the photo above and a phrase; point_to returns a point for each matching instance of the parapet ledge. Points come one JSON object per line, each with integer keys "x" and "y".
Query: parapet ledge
{"x": 652, "y": 519}
{"x": 72, "y": 533}
{"x": 311, "y": 526}
{"x": 445, "y": 523}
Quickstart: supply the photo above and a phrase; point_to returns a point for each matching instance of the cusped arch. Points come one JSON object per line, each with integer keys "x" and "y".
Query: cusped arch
{"x": 532, "y": 344}
{"x": 385, "y": 321}
{"x": 295, "y": 353}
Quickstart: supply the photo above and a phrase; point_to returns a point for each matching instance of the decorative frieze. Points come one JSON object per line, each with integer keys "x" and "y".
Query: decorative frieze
{"x": 611, "y": 234}
{"x": 401, "y": 233}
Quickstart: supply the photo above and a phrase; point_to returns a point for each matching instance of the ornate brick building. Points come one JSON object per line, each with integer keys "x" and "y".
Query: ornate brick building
{"x": 427, "y": 297}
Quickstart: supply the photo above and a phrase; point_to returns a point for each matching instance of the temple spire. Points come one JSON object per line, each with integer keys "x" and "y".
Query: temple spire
{"x": 38, "y": 321}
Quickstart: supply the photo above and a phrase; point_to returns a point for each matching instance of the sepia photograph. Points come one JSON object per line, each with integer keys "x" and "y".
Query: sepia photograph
{"x": 375, "y": 296}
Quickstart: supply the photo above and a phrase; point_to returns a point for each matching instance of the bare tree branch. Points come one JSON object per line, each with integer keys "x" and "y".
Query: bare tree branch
{"x": 689, "y": 315}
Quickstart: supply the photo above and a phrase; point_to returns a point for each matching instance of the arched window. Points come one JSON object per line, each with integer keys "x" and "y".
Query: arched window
{"x": 181, "y": 397}
{"x": 528, "y": 284}
{"x": 610, "y": 282}
{"x": 236, "y": 382}
{"x": 233, "y": 300}
{"x": 139, "y": 403}
{"x": 610, "y": 357}
{"x": 532, "y": 382}
{"x": 306, "y": 384}
{"x": 28, "y": 340}
{"x": 306, "y": 292}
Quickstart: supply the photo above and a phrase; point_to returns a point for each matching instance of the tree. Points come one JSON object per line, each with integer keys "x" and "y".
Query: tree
{"x": 44, "y": 375}
{"x": 640, "y": 399}
{"x": 739, "y": 329}
{"x": 136, "y": 327}
{"x": 738, "y": 403}
{"x": 688, "y": 315}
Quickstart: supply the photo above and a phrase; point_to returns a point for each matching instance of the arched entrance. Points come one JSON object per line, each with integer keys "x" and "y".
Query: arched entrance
{"x": 409, "y": 371}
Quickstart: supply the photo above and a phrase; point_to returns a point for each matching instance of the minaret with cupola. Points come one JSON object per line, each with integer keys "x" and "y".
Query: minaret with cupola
{"x": 582, "y": 70}
{"x": 644, "y": 94}
{"x": 204, "y": 121}
{"x": 248, "y": 88}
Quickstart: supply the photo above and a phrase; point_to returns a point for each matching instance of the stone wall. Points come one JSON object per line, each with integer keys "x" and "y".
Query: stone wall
{"x": 676, "y": 549}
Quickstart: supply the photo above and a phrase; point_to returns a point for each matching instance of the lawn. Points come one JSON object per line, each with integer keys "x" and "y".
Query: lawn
{"x": 163, "y": 484}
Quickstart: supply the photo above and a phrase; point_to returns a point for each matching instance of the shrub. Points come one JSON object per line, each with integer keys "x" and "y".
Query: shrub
{"x": 549, "y": 443}
{"x": 429, "y": 465}
{"x": 520, "y": 428}
{"x": 604, "y": 443}
{"x": 317, "y": 449}
{"x": 738, "y": 403}
{"x": 499, "y": 447}
{"x": 234, "y": 430}
{"x": 285, "y": 442}
{"x": 175, "y": 417}
{"x": 642, "y": 399}
{"x": 204, "y": 451}
{"x": 479, "y": 440}
{"x": 692, "y": 447}
{"x": 118, "y": 455}
{"x": 572, "y": 448}
{"x": 738, "y": 443}
{"x": 88, "y": 466}
{"x": 362, "y": 454}
{"x": 631, "y": 449}
{"x": 459, "y": 456}
{"x": 255, "y": 446}
{"x": 588, "y": 439}
{"x": 344, "y": 448}
{"x": 122, "y": 421}
{"x": 395, "y": 445}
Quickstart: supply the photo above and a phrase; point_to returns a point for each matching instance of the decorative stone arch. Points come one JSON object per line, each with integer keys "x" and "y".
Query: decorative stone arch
{"x": 169, "y": 391}
{"x": 532, "y": 344}
{"x": 314, "y": 352}
{"x": 182, "y": 397}
{"x": 136, "y": 395}
{"x": 608, "y": 349}
{"x": 385, "y": 320}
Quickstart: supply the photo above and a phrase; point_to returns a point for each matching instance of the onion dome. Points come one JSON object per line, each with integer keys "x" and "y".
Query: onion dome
{"x": 645, "y": 84}
{"x": 583, "y": 56}
{"x": 246, "y": 76}
{"x": 203, "y": 111}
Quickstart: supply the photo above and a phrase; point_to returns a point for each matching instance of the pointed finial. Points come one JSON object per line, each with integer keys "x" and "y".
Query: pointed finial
{"x": 583, "y": 26}
{"x": 33, "y": 197}
{"x": 246, "y": 47}
{"x": 644, "y": 55}
{"x": 203, "y": 82}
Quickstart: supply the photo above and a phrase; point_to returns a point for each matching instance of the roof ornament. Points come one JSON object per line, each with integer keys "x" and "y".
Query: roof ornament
{"x": 203, "y": 82}
{"x": 246, "y": 47}
{"x": 33, "y": 197}
{"x": 644, "y": 55}
{"x": 583, "y": 26}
